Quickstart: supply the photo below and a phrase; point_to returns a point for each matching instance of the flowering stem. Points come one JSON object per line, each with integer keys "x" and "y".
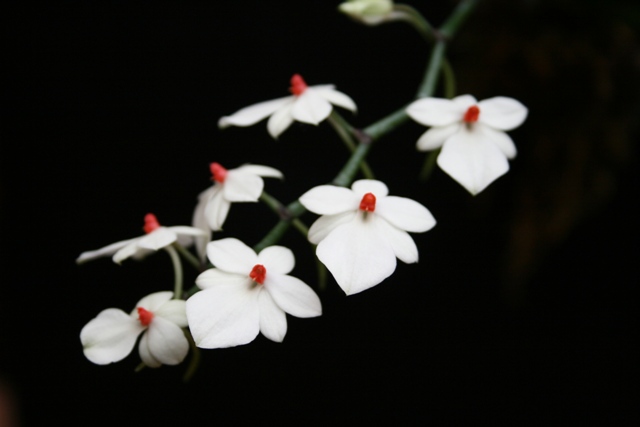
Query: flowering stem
{"x": 195, "y": 357}
{"x": 408, "y": 14}
{"x": 177, "y": 271}
{"x": 429, "y": 164}
{"x": 191, "y": 259}
{"x": 345, "y": 131}
{"x": 385, "y": 125}
{"x": 283, "y": 212}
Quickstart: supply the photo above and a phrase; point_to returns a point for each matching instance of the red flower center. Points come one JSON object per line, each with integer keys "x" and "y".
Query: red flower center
{"x": 368, "y": 203}
{"x": 145, "y": 316}
{"x": 258, "y": 273}
{"x": 150, "y": 223}
{"x": 298, "y": 85}
{"x": 471, "y": 116}
{"x": 219, "y": 173}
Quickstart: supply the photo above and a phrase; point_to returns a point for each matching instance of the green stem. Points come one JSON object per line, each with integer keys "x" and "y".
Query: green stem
{"x": 191, "y": 259}
{"x": 429, "y": 165}
{"x": 344, "y": 130}
{"x": 195, "y": 358}
{"x": 406, "y": 13}
{"x": 457, "y": 18}
{"x": 177, "y": 272}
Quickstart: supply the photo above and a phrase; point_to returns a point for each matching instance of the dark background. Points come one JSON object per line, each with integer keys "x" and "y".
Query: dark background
{"x": 521, "y": 310}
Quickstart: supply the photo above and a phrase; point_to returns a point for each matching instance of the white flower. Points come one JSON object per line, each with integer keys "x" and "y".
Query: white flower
{"x": 475, "y": 147}
{"x": 362, "y": 231}
{"x": 112, "y": 334}
{"x": 243, "y": 184}
{"x": 245, "y": 294}
{"x": 370, "y": 12}
{"x": 308, "y": 104}
{"x": 156, "y": 237}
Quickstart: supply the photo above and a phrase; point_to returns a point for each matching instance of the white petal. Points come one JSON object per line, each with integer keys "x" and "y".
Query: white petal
{"x": 173, "y": 311}
{"x": 465, "y": 101}
{"x": 145, "y": 353}
{"x": 293, "y": 295}
{"x": 199, "y": 221}
{"x": 166, "y": 342}
{"x": 364, "y": 186}
{"x": 330, "y": 200}
{"x": 277, "y": 259}
{"x": 403, "y": 245}
{"x": 184, "y": 230}
{"x": 254, "y": 113}
{"x": 472, "y": 160}
{"x": 500, "y": 138}
{"x": 406, "y": 214}
{"x": 327, "y": 223}
{"x": 436, "y": 136}
{"x": 110, "y": 336}
{"x": 217, "y": 277}
{"x": 273, "y": 321}
{"x": 242, "y": 186}
{"x": 131, "y": 250}
{"x": 502, "y": 113}
{"x": 106, "y": 251}
{"x": 310, "y": 108}
{"x": 223, "y": 317}
{"x": 157, "y": 239}
{"x": 357, "y": 256}
{"x": 436, "y": 111}
{"x": 232, "y": 256}
{"x": 217, "y": 209}
{"x": 152, "y": 302}
{"x": 334, "y": 97}
{"x": 280, "y": 120}
{"x": 263, "y": 171}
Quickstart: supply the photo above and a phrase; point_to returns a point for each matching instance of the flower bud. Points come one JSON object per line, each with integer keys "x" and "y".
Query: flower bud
{"x": 369, "y": 12}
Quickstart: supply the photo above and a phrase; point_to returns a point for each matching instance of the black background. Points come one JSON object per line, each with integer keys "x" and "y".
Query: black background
{"x": 521, "y": 310}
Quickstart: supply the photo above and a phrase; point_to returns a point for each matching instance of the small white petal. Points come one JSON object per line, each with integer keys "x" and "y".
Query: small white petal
{"x": 217, "y": 277}
{"x": 263, "y": 171}
{"x": 217, "y": 209}
{"x": 106, "y": 251}
{"x": 500, "y": 138}
{"x": 357, "y": 256}
{"x": 502, "y": 113}
{"x": 293, "y": 295}
{"x": 242, "y": 186}
{"x": 472, "y": 160}
{"x": 364, "y": 186}
{"x": 145, "y": 353}
{"x": 223, "y": 317}
{"x": 231, "y": 255}
{"x": 327, "y": 223}
{"x": 166, "y": 341}
{"x": 334, "y": 97}
{"x": 310, "y": 108}
{"x": 199, "y": 221}
{"x": 254, "y": 113}
{"x": 131, "y": 250}
{"x": 152, "y": 302}
{"x": 273, "y": 321}
{"x": 280, "y": 120}
{"x": 403, "y": 245}
{"x": 330, "y": 200}
{"x": 277, "y": 259}
{"x": 157, "y": 239}
{"x": 436, "y": 136}
{"x": 465, "y": 101}
{"x": 110, "y": 336}
{"x": 436, "y": 111}
{"x": 405, "y": 214}
{"x": 173, "y": 311}
{"x": 183, "y": 230}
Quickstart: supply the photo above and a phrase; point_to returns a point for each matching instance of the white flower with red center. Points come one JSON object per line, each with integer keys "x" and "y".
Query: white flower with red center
{"x": 247, "y": 293}
{"x": 362, "y": 230}
{"x": 156, "y": 238}
{"x": 475, "y": 147}
{"x": 243, "y": 184}
{"x": 308, "y": 104}
{"x": 112, "y": 334}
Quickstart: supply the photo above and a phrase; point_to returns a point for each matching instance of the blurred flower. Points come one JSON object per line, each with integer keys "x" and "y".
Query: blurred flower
{"x": 111, "y": 335}
{"x": 243, "y": 184}
{"x": 475, "y": 147}
{"x": 362, "y": 231}
{"x": 308, "y": 104}
{"x": 247, "y": 293}
{"x": 156, "y": 237}
{"x": 370, "y": 12}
